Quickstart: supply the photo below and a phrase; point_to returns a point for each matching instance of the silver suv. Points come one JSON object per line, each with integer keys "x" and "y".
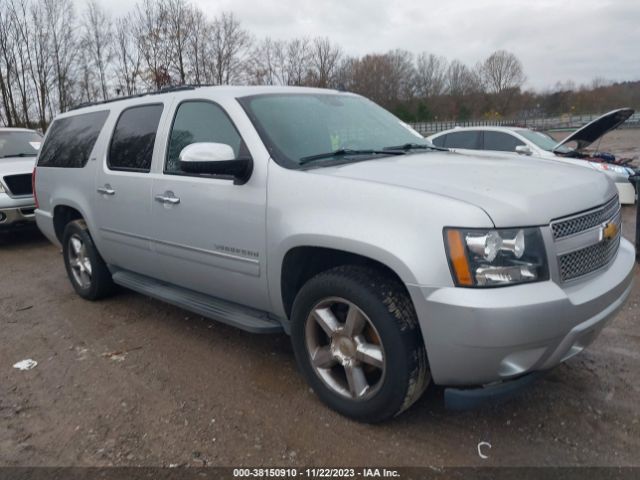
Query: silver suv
{"x": 390, "y": 262}
{"x": 18, "y": 150}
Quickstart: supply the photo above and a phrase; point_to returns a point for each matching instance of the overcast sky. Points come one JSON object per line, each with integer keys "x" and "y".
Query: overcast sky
{"x": 557, "y": 40}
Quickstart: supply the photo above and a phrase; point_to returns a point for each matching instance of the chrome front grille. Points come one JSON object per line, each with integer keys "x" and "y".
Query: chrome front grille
{"x": 586, "y": 237}
{"x": 585, "y": 221}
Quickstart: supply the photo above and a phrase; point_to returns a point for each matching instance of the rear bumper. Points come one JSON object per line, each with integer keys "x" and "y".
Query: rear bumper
{"x": 478, "y": 337}
{"x": 14, "y": 211}
{"x": 44, "y": 220}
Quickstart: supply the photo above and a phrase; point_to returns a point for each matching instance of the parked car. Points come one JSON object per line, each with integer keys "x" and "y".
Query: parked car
{"x": 512, "y": 141}
{"x": 18, "y": 150}
{"x": 315, "y": 212}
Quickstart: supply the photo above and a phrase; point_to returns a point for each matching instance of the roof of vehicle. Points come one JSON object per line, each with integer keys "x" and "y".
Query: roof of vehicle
{"x": 220, "y": 91}
{"x": 16, "y": 129}
{"x": 494, "y": 128}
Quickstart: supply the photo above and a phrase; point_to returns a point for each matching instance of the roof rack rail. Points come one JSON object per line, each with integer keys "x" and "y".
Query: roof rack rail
{"x": 167, "y": 89}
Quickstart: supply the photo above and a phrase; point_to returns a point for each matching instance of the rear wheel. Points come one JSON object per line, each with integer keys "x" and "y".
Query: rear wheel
{"x": 357, "y": 341}
{"x": 87, "y": 271}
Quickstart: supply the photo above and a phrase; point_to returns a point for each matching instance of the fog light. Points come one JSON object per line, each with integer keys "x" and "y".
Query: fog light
{"x": 497, "y": 275}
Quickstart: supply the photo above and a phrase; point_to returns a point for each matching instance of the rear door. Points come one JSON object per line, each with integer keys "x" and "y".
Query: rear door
{"x": 211, "y": 237}
{"x": 123, "y": 189}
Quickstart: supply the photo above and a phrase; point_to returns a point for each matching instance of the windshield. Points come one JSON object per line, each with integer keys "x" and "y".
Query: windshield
{"x": 19, "y": 144}
{"x": 299, "y": 126}
{"x": 543, "y": 140}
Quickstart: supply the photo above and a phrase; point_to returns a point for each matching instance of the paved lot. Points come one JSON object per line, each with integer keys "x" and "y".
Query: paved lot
{"x": 133, "y": 381}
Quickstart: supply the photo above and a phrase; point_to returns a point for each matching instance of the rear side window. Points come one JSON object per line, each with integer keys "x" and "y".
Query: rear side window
{"x": 501, "y": 142}
{"x": 70, "y": 140}
{"x": 467, "y": 139}
{"x": 133, "y": 138}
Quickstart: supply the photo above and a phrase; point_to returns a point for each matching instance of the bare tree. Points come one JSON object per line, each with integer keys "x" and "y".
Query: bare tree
{"x": 298, "y": 61}
{"x": 179, "y": 17}
{"x": 8, "y": 65}
{"x": 230, "y": 47}
{"x": 61, "y": 17}
{"x": 150, "y": 27}
{"x": 127, "y": 57}
{"x": 461, "y": 80}
{"x": 431, "y": 75}
{"x": 502, "y": 71}
{"x": 196, "y": 46}
{"x": 325, "y": 60}
{"x": 97, "y": 35}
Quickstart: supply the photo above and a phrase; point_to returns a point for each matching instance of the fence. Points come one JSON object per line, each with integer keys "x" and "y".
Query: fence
{"x": 569, "y": 122}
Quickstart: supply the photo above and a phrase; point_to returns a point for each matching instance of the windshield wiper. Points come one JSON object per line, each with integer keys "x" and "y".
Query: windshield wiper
{"x": 19, "y": 155}
{"x": 413, "y": 146}
{"x": 341, "y": 152}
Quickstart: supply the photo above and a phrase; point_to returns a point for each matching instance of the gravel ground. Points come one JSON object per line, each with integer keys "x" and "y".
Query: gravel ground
{"x": 133, "y": 381}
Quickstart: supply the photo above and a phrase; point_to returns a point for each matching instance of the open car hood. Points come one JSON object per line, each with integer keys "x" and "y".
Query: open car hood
{"x": 592, "y": 131}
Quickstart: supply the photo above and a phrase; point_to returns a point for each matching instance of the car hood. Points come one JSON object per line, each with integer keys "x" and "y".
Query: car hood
{"x": 16, "y": 165}
{"x": 512, "y": 192}
{"x": 592, "y": 131}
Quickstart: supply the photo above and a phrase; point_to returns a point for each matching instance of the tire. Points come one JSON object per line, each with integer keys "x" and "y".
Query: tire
{"x": 86, "y": 269}
{"x": 388, "y": 354}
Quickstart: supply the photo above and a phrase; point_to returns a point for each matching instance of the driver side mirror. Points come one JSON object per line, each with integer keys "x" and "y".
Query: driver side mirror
{"x": 215, "y": 159}
{"x": 524, "y": 150}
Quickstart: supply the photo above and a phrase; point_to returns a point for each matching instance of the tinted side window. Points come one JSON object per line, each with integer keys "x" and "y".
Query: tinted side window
{"x": 200, "y": 121}
{"x": 439, "y": 142}
{"x": 466, "y": 139}
{"x": 502, "y": 142}
{"x": 71, "y": 139}
{"x": 134, "y": 137}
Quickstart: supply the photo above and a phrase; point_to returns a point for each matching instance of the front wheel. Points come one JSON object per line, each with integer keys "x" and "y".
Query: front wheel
{"x": 358, "y": 344}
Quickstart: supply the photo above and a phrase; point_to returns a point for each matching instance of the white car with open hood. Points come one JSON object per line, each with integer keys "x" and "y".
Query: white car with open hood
{"x": 510, "y": 141}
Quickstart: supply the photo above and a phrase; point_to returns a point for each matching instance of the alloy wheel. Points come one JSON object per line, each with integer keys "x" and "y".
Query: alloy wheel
{"x": 345, "y": 348}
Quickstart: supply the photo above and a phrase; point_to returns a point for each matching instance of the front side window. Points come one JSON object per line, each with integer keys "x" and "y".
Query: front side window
{"x": 468, "y": 139}
{"x": 200, "y": 121}
{"x": 70, "y": 140}
{"x": 19, "y": 143}
{"x": 296, "y": 126}
{"x": 500, "y": 142}
{"x": 543, "y": 141}
{"x": 134, "y": 138}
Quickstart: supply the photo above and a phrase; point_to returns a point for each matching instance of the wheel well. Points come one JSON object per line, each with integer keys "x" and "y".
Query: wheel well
{"x": 62, "y": 215}
{"x": 302, "y": 263}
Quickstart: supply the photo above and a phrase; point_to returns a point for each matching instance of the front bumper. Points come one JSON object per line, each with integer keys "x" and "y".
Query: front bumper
{"x": 14, "y": 211}
{"x": 482, "y": 336}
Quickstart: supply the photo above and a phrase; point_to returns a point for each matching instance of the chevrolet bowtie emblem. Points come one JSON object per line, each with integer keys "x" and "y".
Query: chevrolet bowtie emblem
{"x": 609, "y": 231}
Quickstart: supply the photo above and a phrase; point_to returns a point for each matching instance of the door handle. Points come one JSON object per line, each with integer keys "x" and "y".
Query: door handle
{"x": 168, "y": 199}
{"x": 106, "y": 190}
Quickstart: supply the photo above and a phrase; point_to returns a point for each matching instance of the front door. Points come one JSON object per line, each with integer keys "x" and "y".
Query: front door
{"x": 209, "y": 233}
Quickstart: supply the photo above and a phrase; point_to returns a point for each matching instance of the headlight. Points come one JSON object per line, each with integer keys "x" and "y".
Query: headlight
{"x": 491, "y": 258}
{"x": 607, "y": 167}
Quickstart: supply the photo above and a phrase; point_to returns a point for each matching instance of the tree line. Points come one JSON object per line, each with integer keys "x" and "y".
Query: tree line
{"x": 53, "y": 57}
